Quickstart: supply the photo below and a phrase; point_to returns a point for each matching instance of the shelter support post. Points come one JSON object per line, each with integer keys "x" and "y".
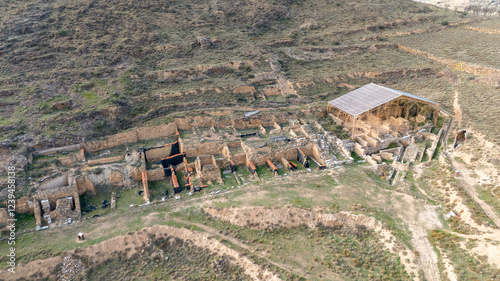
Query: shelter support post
{"x": 353, "y": 126}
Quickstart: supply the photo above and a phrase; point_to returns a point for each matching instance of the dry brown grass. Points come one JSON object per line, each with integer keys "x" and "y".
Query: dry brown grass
{"x": 458, "y": 44}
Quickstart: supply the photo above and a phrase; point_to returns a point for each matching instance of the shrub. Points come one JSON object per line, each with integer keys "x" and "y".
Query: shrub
{"x": 62, "y": 32}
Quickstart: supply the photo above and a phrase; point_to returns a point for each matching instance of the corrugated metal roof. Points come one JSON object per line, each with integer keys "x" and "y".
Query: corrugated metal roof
{"x": 369, "y": 97}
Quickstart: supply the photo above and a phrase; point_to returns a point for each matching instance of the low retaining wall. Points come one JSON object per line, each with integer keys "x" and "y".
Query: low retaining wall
{"x": 454, "y": 64}
{"x": 57, "y": 149}
{"x": 105, "y": 160}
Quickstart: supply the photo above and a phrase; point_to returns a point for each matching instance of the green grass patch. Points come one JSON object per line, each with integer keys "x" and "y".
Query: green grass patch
{"x": 467, "y": 267}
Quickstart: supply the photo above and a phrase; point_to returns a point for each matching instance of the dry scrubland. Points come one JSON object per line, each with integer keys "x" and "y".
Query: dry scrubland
{"x": 82, "y": 52}
{"x": 458, "y": 44}
{"x": 80, "y": 70}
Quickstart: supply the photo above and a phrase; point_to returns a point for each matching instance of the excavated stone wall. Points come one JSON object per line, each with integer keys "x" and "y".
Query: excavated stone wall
{"x": 192, "y": 122}
{"x": 166, "y": 130}
{"x": 155, "y": 154}
{"x": 211, "y": 173}
{"x": 65, "y": 208}
{"x": 239, "y": 159}
{"x": 156, "y": 174}
{"x": 207, "y": 169}
{"x": 143, "y": 133}
{"x": 222, "y": 163}
{"x": 103, "y": 161}
{"x": 112, "y": 141}
{"x": 55, "y": 193}
{"x": 208, "y": 148}
{"x": 24, "y": 205}
{"x": 54, "y": 183}
{"x": 155, "y": 132}
{"x": 288, "y": 154}
{"x": 84, "y": 185}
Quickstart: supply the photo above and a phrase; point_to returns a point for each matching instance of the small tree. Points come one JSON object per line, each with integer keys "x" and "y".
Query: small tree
{"x": 476, "y": 9}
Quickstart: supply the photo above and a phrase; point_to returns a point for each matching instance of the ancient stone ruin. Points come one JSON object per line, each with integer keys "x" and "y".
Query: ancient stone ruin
{"x": 387, "y": 128}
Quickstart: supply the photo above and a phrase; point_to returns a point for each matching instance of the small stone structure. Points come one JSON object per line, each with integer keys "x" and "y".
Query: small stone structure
{"x": 207, "y": 169}
{"x": 55, "y": 202}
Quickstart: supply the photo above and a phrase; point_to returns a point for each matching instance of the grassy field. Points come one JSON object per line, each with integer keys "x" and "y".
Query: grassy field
{"x": 456, "y": 44}
{"x": 489, "y": 23}
{"x": 323, "y": 253}
{"x": 380, "y": 60}
{"x": 479, "y": 104}
{"x": 183, "y": 262}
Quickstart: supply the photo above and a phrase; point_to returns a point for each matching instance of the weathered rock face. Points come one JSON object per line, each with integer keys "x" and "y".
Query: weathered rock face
{"x": 11, "y": 160}
{"x": 116, "y": 178}
{"x": 85, "y": 185}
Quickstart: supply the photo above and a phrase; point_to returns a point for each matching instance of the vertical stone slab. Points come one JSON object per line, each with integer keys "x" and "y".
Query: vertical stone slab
{"x": 113, "y": 200}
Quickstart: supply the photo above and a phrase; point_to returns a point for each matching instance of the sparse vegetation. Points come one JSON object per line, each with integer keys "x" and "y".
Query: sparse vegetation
{"x": 76, "y": 71}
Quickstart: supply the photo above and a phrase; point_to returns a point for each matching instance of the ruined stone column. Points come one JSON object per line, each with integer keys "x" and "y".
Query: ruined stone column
{"x": 38, "y": 213}
{"x": 113, "y": 200}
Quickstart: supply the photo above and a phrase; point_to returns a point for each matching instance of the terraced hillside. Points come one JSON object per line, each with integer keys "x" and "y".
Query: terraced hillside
{"x": 74, "y": 72}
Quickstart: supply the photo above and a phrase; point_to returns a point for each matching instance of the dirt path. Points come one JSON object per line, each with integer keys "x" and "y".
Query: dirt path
{"x": 103, "y": 251}
{"x": 457, "y": 113}
{"x": 238, "y": 243}
{"x": 487, "y": 244}
{"x": 467, "y": 182}
{"x": 448, "y": 266}
{"x": 422, "y": 217}
{"x": 262, "y": 218}
{"x": 419, "y": 221}
{"x": 427, "y": 258}
{"x": 465, "y": 179}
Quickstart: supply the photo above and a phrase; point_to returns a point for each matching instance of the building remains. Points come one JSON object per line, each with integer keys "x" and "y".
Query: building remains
{"x": 387, "y": 128}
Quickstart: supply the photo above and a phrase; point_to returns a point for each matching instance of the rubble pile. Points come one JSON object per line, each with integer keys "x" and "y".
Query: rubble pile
{"x": 71, "y": 269}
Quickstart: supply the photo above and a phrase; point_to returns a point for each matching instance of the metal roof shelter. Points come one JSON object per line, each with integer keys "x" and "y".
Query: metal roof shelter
{"x": 369, "y": 97}
{"x": 373, "y": 97}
